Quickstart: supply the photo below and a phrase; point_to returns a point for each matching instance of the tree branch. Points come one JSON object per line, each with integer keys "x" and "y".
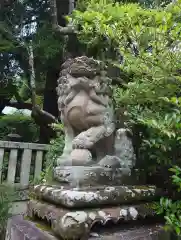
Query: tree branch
{"x": 32, "y": 75}
{"x": 40, "y": 116}
{"x": 19, "y": 105}
{"x": 68, "y": 30}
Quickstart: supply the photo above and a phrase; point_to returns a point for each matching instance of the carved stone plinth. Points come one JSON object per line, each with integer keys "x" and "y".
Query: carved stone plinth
{"x": 95, "y": 197}
{"x": 91, "y": 175}
{"x": 75, "y": 224}
{"x": 21, "y": 229}
{"x": 73, "y": 212}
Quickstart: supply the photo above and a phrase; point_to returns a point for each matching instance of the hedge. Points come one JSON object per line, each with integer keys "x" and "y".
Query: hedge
{"x": 24, "y": 125}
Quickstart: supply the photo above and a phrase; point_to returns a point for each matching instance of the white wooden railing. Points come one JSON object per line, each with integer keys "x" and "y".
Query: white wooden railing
{"x": 22, "y": 160}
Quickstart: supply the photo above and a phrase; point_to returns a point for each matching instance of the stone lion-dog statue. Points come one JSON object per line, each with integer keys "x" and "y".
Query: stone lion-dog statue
{"x": 87, "y": 113}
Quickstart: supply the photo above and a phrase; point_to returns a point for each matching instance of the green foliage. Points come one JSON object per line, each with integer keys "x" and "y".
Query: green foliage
{"x": 82, "y": 4}
{"x": 10, "y": 28}
{"x": 58, "y": 127}
{"x": 172, "y": 209}
{"x": 143, "y": 43}
{"x": 47, "y": 45}
{"x": 29, "y": 20}
{"x": 56, "y": 146}
{"x": 7, "y": 195}
{"x": 55, "y": 149}
{"x": 24, "y": 125}
{"x": 24, "y": 89}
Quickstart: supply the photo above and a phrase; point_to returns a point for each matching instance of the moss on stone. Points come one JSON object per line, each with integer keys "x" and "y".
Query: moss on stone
{"x": 43, "y": 227}
{"x": 27, "y": 218}
{"x": 38, "y": 224}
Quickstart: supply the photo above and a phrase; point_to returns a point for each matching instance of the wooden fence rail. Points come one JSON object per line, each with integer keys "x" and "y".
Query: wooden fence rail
{"x": 19, "y": 161}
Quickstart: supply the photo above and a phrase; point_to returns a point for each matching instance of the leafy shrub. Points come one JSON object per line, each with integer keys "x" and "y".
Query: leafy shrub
{"x": 24, "y": 125}
{"x": 172, "y": 209}
{"x": 55, "y": 149}
{"x": 143, "y": 44}
{"x": 7, "y": 195}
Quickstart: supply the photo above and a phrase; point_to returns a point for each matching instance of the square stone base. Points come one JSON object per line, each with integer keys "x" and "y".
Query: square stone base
{"x": 21, "y": 229}
{"x": 73, "y": 212}
{"x": 142, "y": 232}
{"x": 95, "y": 196}
{"x": 75, "y": 224}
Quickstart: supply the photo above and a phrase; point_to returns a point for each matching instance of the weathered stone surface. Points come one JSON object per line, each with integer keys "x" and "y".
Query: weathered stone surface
{"x": 91, "y": 176}
{"x": 123, "y": 147}
{"x": 21, "y": 192}
{"x": 19, "y": 207}
{"x": 20, "y": 229}
{"x": 76, "y": 224}
{"x": 139, "y": 232}
{"x": 98, "y": 196}
{"x": 20, "y": 200}
{"x": 77, "y": 176}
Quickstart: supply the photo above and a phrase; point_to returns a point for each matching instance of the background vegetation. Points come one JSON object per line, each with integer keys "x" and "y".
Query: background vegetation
{"x": 24, "y": 125}
{"x": 31, "y": 21}
{"x": 144, "y": 45}
{"x": 7, "y": 196}
{"x": 171, "y": 208}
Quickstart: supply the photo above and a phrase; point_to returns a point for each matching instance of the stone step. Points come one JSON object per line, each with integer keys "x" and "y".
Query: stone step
{"x": 20, "y": 229}
{"x": 74, "y": 224}
{"x": 95, "y": 196}
{"x": 138, "y": 232}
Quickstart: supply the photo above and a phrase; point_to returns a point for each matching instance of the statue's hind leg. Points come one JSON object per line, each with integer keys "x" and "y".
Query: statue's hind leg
{"x": 87, "y": 139}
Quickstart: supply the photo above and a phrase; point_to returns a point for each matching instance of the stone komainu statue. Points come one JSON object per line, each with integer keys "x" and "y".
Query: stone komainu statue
{"x": 87, "y": 113}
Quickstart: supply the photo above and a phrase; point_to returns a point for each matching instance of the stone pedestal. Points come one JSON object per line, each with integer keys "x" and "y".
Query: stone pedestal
{"x": 85, "y": 197}
{"x": 94, "y": 185}
{"x": 95, "y": 197}
{"x": 78, "y": 176}
{"x": 73, "y": 212}
{"x": 93, "y": 176}
{"x": 21, "y": 229}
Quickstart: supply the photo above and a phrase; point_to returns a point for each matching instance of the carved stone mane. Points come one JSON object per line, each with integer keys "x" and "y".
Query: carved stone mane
{"x": 81, "y": 72}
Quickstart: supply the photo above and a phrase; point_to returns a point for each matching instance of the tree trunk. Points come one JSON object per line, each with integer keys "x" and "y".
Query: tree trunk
{"x": 49, "y": 104}
{"x": 3, "y": 103}
{"x": 42, "y": 118}
{"x": 59, "y": 9}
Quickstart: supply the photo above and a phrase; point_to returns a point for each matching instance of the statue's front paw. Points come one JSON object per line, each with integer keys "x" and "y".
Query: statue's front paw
{"x": 82, "y": 142}
{"x": 80, "y": 157}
